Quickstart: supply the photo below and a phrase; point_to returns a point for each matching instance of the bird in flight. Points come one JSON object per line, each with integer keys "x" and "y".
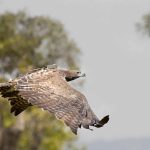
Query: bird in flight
{"x": 49, "y": 89}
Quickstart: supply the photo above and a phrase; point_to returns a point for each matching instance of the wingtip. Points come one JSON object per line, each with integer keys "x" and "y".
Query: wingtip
{"x": 107, "y": 118}
{"x": 102, "y": 122}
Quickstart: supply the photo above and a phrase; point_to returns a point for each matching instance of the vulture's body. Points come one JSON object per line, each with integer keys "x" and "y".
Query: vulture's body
{"x": 48, "y": 88}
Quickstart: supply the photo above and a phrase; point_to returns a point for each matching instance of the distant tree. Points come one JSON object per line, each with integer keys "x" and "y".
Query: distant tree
{"x": 144, "y": 25}
{"x": 25, "y": 43}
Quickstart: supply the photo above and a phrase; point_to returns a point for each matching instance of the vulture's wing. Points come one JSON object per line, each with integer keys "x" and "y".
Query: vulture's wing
{"x": 51, "y": 92}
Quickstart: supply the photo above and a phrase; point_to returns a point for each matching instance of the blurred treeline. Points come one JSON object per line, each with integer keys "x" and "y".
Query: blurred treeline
{"x": 144, "y": 25}
{"x": 25, "y": 43}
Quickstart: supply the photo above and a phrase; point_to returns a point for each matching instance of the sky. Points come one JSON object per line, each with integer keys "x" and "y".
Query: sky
{"x": 115, "y": 58}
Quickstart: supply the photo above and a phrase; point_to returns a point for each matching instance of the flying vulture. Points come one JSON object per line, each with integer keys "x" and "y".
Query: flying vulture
{"x": 48, "y": 88}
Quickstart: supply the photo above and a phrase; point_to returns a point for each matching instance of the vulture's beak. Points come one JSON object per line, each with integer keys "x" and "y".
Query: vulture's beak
{"x": 82, "y": 75}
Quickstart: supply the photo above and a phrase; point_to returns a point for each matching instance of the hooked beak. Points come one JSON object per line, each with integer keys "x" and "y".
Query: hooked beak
{"x": 81, "y": 75}
{"x": 78, "y": 75}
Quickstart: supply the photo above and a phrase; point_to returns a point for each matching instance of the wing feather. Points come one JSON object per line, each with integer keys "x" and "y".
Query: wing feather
{"x": 48, "y": 90}
{"x": 57, "y": 97}
{"x": 17, "y": 102}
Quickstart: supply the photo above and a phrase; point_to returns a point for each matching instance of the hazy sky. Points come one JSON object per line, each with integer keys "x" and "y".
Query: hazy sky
{"x": 116, "y": 59}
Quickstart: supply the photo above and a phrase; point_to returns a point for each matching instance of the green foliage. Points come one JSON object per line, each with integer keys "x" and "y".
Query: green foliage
{"x": 8, "y": 119}
{"x": 37, "y": 41}
{"x": 26, "y": 43}
{"x": 43, "y": 126}
{"x": 144, "y": 25}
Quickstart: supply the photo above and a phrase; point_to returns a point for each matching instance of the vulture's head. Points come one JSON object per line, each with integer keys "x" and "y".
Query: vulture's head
{"x": 71, "y": 74}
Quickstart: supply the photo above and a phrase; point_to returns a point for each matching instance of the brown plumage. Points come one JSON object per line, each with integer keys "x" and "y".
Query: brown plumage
{"x": 48, "y": 88}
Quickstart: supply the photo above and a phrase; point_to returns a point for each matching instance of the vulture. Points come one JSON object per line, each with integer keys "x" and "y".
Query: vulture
{"x": 49, "y": 89}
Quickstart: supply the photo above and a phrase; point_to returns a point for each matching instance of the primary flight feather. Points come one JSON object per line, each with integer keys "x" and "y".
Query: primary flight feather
{"x": 48, "y": 88}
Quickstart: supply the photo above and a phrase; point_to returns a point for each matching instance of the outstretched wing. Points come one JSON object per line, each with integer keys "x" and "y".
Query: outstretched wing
{"x": 53, "y": 93}
{"x": 48, "y": 90}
